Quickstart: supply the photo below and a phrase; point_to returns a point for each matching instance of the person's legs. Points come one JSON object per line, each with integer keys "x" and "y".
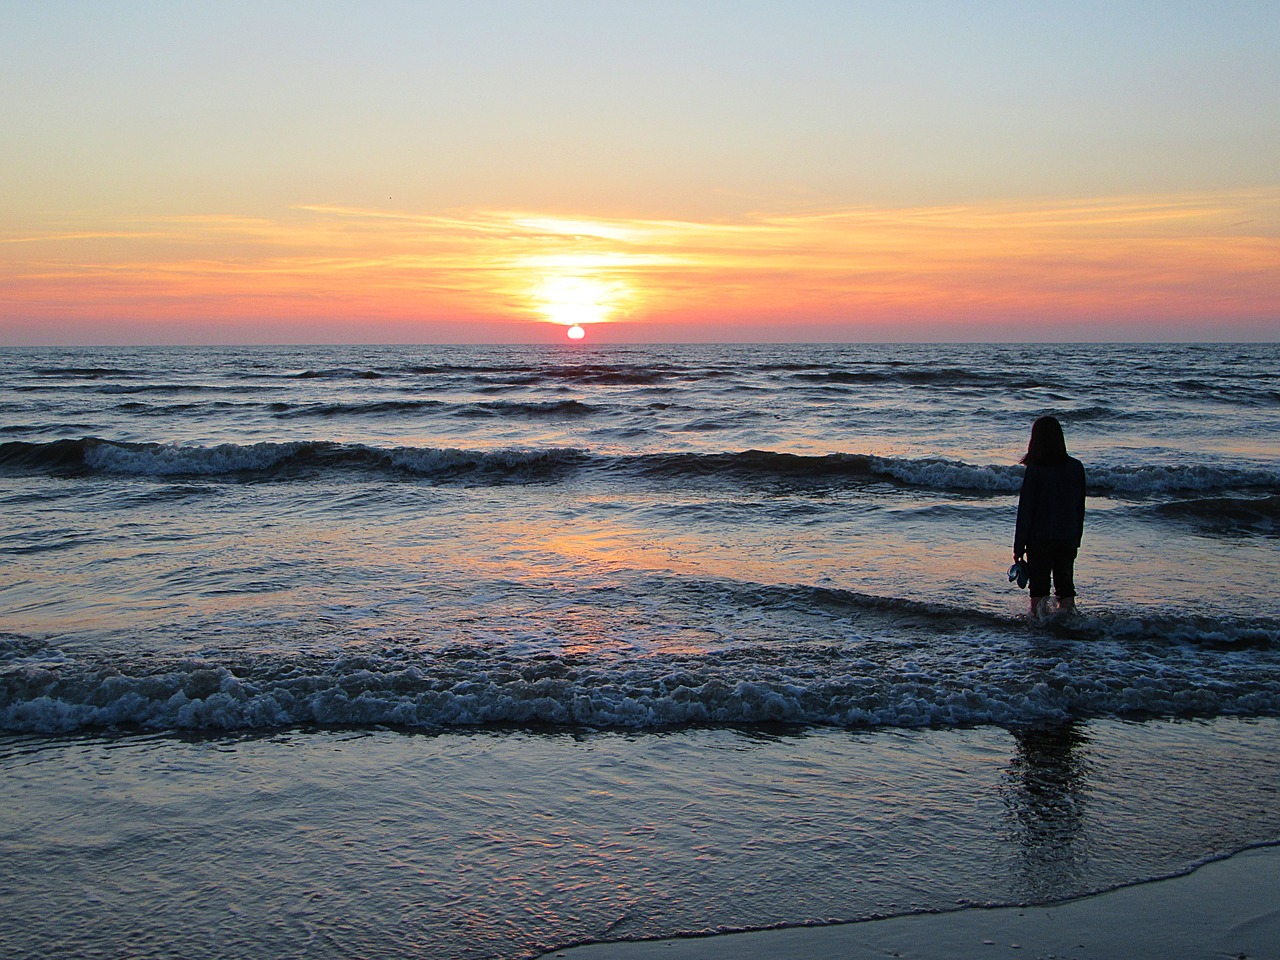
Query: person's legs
{"x": 1063, "y": 561}
{"x": 1039, "y": 566}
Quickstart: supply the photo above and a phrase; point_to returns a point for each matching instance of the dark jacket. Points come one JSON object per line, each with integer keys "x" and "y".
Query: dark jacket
{"x": 1051, "y": 504}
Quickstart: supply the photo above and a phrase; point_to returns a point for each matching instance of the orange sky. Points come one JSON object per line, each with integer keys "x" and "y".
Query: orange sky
{"x": 1089, "y": 269}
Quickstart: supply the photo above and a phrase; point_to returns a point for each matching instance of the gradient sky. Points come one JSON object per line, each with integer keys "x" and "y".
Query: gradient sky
{"x": 492, "y": 170}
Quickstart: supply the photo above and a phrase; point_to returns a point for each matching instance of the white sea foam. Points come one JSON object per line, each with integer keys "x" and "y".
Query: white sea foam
{"x": 1125, "y": 670}
{"x": 950, "y": 475}
{"x": 1152, "y": 480}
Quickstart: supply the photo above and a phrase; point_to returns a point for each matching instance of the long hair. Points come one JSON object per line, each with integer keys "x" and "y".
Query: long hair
{"x": 1047, "y": 446}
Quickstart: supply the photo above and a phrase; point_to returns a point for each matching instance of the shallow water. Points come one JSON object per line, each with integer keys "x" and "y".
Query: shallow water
{"x": 504, "y": 843}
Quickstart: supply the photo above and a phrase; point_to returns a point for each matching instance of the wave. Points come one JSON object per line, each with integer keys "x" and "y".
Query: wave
{"x": 18, "y": 429}
{"x": 1259, "y": 390}
{"x": 1159, "y": 480}
{"x": 373, "y": 407}
{"x": 280, "y": 461}
{"x": 1254, "y": 391}
{"x": 130, "y": 389}
{"x": 304, "y": 458}
{"x": 954, "y": 377}
{"x": 586, "y": 374}
{"x": 530, "y": 408}
{"x": 307, "y": 458}
{"x": 139, "y": 408}
{"x": 1227, "y": 516}
{"x": 1092, "y": 413}
{"x": 974, "y": 670}
{"x": 338, "y": 374}
{"x": 282, "y": 410}
{"x": 85, "y": 373}
{"x": 598, "y": 374}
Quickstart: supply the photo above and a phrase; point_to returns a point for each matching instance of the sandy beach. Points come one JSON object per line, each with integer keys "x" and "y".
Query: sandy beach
{"x": 1226, "y": 909}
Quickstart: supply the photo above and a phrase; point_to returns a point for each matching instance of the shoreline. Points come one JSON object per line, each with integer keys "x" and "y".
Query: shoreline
{"x": 1227, "y": 907}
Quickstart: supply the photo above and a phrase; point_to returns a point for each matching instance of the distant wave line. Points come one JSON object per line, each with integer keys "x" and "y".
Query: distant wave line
{"x": 307, "y": 458}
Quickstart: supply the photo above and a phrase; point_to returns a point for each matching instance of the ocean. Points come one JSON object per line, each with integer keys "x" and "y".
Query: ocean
{"x": 478, "y": 651}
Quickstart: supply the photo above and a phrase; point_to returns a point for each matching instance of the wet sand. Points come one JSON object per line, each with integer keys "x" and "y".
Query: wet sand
{"x": 1226, "y": 909}
{"x": 498, "y": 844}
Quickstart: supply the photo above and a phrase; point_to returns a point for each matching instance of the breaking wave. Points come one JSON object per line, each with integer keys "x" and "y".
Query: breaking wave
{"x": 981, "y": 670}
{"x": 947, "y": 377}
{"x": 1227, "y": 516}
{"x": 288, "y": 460}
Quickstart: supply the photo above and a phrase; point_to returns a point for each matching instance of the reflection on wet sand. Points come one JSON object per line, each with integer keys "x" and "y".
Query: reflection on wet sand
{"x": 1045, "y": 791}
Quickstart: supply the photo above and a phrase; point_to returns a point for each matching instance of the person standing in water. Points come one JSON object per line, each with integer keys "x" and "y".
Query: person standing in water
{"x": 1050, "y": 516}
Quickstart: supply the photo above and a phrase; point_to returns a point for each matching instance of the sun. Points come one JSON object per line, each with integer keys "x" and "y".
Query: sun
{"x": 577, "y": 299}
{"x": 575, "y": 332}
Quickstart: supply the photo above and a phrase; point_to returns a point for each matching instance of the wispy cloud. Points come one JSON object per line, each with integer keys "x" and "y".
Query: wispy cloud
{"x": 1153, "y": 257}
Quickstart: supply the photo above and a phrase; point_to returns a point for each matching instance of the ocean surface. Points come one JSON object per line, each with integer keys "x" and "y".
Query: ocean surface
{"x": 387, "y": 651}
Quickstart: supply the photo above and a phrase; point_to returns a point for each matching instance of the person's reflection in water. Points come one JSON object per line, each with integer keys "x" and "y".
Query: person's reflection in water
{"x": 1045, "y": 790}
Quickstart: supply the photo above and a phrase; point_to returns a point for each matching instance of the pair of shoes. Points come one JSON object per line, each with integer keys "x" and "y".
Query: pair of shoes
{"x": 1020, "y": 573}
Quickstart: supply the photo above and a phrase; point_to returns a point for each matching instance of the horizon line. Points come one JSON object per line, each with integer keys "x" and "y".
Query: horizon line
{"x": 583, "y": 345}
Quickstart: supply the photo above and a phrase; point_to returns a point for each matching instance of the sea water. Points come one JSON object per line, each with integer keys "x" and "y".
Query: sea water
{"x": 495, "y": 639}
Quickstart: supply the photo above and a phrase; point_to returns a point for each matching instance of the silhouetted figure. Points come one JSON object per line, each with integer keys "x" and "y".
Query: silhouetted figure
{"x": 1050, "y": 515}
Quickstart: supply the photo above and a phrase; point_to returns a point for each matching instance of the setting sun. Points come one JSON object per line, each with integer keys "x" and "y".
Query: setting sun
{"x": 573, "y": 300}
{"x": 576, "y": 332}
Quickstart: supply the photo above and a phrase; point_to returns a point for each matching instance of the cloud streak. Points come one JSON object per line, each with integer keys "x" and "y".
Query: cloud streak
{"x": 1159, "y": 260}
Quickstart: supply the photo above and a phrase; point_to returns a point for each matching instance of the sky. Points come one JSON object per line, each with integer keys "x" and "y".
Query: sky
{"x": 655, "y": 171}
